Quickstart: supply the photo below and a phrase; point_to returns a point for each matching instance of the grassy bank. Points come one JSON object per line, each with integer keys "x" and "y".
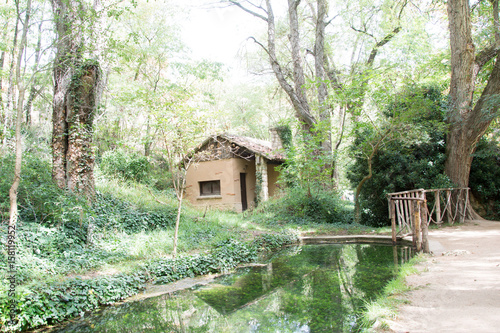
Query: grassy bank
{"x": 385, "y": 306}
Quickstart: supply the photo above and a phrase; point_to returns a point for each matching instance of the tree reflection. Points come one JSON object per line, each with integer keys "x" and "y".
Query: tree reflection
{"x": 303, "y": 289}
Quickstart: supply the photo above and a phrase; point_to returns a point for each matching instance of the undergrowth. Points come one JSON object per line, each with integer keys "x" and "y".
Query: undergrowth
{"x": 298, "y": 206}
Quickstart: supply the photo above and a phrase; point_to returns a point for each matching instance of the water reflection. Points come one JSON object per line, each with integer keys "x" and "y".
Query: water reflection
{"x": 313, "y": 288}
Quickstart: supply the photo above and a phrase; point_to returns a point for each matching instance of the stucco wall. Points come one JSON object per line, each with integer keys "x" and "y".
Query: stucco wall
{"x": 228, "y": 172}
{"x": 272, "y": 178}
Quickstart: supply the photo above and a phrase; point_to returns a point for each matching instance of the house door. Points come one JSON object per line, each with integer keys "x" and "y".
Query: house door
{"x": 243, "y": 186}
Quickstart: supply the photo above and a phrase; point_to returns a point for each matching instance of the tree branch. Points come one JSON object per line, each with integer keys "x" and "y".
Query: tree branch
{"x": 262, "y": 17}
{"x": 384, "y": 41}
{"x": 486, "y": 55}
{"x": 332, "y": 76}
{"x": 363, "y": 32}
{"x": 486, "y": 108}
{"x": 260, "y": 44}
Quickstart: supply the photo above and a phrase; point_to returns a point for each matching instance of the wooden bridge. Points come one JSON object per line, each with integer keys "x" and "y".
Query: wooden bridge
{"x": 410, "y": 214}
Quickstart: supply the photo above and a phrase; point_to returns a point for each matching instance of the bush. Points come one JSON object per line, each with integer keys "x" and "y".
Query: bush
{"x": 39, "y": 198}
{"x": 223, "y": 257}
{"x": 403, "y": 164}
{"x": 301, "y": 206}
{"x": 273, "y": 242}
{"x": 484, "y": 178}
{"x": 53, "y": 223}
{"x": 128, "y": 166}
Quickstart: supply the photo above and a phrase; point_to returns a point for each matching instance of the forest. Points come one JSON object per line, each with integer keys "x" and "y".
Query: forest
{"x": 102, "y": 104}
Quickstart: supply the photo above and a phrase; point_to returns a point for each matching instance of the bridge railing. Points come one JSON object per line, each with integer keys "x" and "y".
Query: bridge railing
{"x": 410, "y": 214}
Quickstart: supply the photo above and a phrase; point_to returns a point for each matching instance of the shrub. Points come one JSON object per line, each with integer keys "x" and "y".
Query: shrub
{"x": 302, "y": 206}
{"x": 406, "y": 165}
{"x": 129, "y": 166}
{"x": 484, "y": 178}
{"x": 273, "y": 242}
{"x": 39, "y": 198}
{"x": 225, "y": 256}
{"x": 403, "y": 164}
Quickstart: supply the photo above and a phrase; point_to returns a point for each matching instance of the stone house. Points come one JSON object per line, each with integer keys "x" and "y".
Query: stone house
{"x": 234, "y": 172}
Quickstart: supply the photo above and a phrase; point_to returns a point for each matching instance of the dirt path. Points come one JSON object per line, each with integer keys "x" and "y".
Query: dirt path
{"x": 458, "y": 289}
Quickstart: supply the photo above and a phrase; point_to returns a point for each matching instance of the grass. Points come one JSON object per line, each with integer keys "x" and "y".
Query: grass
{"x": 385, "y": 306}
{"x": 134, "y": 192}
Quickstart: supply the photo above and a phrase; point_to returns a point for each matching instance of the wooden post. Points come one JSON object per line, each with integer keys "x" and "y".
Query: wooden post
{"x": 393, "y": 220}
{"x": 413, "y": 224}
{"x": 417, "y": 221}
{"x": 467, "y": 204}
{"x": 400, "y": 214}
{"x": 407, "y": 215}
{"x": 438, "y": 207}
{"x": 449, "y": 215}
{"x": 463, "y": 204}
{"x": 425, "y": 228}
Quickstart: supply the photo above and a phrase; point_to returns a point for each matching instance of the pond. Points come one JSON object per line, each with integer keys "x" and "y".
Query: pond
{"x": 310, "y": 288}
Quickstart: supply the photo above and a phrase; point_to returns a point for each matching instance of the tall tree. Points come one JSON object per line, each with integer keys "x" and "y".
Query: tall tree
{"x": 33, "y": 90}
{"x": 21, "y": 89}
{"x": 309, "y": 110}
{"x": 75, "y": 84}
{"x": 469, "y": 119}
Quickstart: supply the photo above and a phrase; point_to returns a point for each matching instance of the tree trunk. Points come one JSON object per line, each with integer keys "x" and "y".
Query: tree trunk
{"x": 13, "y": 212}
{"x": 33, "y": 90}
{"x": 382, "y": 137}
{"x": 73, "y": 104}
{"x": 180, "y": 197}
{"x": 81, "y": 107}
{"x": 3, "y": 111}
{"x": 325, "y": 112}
{"x": 467, "y": 123}
{"x": 357, "y": 204}
{"x": 10, "y": 84}
{"x": 295, "y": 93}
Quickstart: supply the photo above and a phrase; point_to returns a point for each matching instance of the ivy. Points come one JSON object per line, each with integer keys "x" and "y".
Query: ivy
{"x": 285, "y": 134}
{"x": 45, "y": 304}
{"x": 258, "y": 187}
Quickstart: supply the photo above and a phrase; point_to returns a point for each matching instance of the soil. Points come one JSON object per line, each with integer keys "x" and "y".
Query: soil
{"x": 458, "y": 287}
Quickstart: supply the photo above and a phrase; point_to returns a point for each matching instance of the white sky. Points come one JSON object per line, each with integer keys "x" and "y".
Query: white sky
{"x": 219, "y": 34}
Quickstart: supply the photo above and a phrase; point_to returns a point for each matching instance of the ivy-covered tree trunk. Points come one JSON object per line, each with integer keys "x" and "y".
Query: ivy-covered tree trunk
{"x": 74, "y": 103}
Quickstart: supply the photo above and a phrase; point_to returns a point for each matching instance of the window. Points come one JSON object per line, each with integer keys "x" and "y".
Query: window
{"x": 210, "y": 188}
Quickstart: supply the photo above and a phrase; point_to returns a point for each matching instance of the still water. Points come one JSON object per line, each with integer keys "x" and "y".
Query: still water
{"x": 311, "y": 288}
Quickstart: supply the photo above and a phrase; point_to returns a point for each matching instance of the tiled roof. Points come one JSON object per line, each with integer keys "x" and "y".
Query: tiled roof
{"x": 261, "y": 147}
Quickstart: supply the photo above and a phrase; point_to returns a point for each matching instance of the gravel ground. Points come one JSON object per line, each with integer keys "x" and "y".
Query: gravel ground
{"x": 458, "y": 288}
